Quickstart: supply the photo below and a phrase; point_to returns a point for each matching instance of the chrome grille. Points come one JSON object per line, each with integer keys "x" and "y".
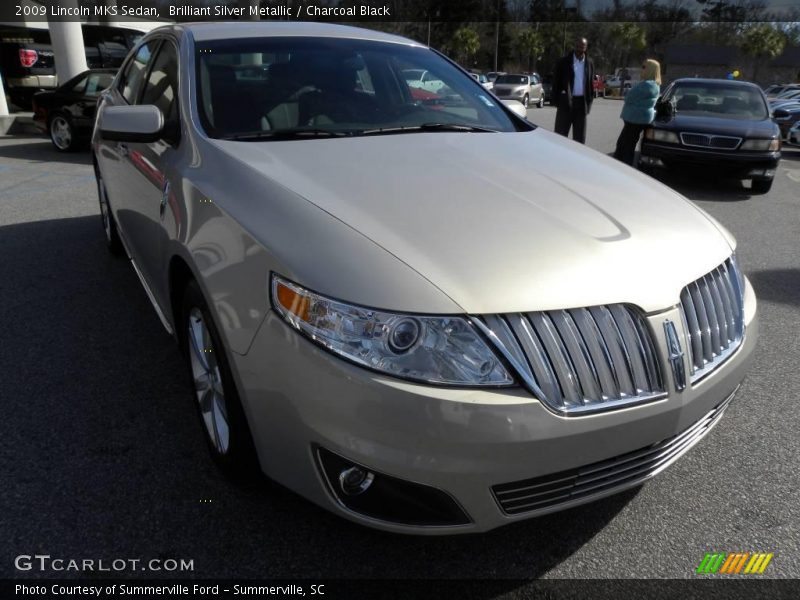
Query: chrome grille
{"x": 720, "y": 142}
{"x": 580, "y": 360}
{"x": 541, "y": 494}
{"x": 713, "y": 313}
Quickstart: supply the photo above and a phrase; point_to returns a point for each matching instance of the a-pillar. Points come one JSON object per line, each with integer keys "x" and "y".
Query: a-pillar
{"x": 67, "y": 40}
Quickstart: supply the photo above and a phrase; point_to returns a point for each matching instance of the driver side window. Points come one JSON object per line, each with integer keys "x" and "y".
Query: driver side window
{"x": 161, "y": 88}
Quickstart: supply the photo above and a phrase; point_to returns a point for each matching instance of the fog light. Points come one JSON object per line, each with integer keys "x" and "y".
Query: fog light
{"x": 389, "y": 498}
{"x": 355, "y": 481}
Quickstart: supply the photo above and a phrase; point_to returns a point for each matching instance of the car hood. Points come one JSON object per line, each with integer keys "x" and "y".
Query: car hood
{"x": 719, "y": 126}
{"x": 503, "y": 222}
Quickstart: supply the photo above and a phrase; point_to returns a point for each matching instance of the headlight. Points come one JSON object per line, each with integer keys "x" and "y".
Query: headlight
{"x": 442, "y": 350}
{"x": 762, "y": 145}
{"x": 660, "y": 135}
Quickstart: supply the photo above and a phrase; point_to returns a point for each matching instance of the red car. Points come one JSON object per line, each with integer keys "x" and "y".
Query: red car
{"x": 425, "y": 97}
{"x": 599, "y": 86}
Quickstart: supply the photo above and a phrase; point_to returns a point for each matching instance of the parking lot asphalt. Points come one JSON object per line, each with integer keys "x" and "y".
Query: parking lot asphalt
{"x": 103, "y": 456}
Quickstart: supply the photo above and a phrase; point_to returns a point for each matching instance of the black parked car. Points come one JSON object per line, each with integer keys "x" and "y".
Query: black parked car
{"x": 786, "y": 115}
{"x": 66, "y": 114}
{"x": 715, "y": 124}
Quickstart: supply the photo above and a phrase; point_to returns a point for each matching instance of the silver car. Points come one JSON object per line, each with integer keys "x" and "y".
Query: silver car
{"x": 525, "y": 88}
{"x": 384, "y": 304}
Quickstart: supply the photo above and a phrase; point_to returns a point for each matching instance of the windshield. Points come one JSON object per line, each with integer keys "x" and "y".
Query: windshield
{"x": 515, "y": 79}
{"x": 715, "y": 100}
{"x": 334, "y": 86}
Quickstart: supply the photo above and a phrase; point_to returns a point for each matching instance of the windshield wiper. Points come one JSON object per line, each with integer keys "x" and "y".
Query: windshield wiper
{"x": 425, "y": 127}
{"x": 286, "y": 134}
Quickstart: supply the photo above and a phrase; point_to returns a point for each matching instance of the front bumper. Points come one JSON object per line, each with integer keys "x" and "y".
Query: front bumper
{"x": 732, "y": 161}
{"x": 519, "y": 95}
{"x": 35, "y": 82}
{"x": 464, "y": 442}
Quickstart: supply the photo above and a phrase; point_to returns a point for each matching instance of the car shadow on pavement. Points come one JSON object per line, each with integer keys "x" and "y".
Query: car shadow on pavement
{"x": 790, "y": 153}
{"x": 42, "y": 150}
{"x": 696, "y": 186}
{"x": 109, "y": 458}
{"x": 777, "y": 285}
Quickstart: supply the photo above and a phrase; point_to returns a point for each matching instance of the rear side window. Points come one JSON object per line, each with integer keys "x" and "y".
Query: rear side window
{"x": 79, "y": 86}
{"x": 162, "y": 83}
{"x": 133, "y": 78}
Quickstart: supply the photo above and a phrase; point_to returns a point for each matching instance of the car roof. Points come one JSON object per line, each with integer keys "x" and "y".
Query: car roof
{"x": 726, "y": 82}
{"x": 224, "y": 30}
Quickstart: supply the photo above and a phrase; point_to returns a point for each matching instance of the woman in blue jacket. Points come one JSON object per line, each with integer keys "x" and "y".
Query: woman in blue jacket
{"x": 639, "y": 110}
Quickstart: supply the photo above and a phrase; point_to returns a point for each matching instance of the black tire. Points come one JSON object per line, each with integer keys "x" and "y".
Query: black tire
{"x": 236, "y": 457}
{"x": 525, "y": 100}
{"x": 113, "y": 243}
{"x": 62, "y": 132}
{"x": 540, "y": 104}
{"x": 761, "y": 186}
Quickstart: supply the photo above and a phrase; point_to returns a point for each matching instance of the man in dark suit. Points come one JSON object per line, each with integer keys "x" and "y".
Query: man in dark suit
{"x": 572, "y": 91}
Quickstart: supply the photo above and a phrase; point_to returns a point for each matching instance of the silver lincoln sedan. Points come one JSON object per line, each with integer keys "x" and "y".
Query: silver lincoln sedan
{"x": 419, "y": 311}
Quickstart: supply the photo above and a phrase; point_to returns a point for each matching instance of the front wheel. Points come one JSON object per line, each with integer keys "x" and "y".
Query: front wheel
{"x": 525, "y": 101}
{"x": 62, "y": 133}
{"x": 224, "y": 422}
{"x": 761, "y": 186}
{"x": 113, "y": 242}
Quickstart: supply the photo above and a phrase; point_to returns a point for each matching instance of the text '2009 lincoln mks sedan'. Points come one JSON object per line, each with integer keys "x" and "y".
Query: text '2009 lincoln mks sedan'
{"x": 427, "y": 318}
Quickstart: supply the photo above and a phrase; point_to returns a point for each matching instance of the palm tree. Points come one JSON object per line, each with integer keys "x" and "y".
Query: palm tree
{"x": 466, "y": 42}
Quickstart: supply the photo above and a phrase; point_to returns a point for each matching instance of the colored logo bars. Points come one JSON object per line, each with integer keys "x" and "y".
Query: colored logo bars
{"x": 735, "y": 563}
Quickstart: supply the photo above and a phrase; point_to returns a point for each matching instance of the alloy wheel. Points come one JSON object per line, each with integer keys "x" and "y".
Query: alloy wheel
{"x": 208, "y": 382}
{"x": 61, "y": 133}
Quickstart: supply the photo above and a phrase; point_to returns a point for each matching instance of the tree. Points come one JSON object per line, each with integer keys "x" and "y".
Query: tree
{"x": 630, "y": 39}
{"x": 530, "y": 46}
{"x": 763, "y": 42}
{"x": 729, "y": 16}
{"x": 466, "y": 42}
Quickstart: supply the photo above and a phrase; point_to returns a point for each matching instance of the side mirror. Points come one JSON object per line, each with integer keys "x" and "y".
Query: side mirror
{"x": 142, "y": 124}
{"x": 516, "y": 107}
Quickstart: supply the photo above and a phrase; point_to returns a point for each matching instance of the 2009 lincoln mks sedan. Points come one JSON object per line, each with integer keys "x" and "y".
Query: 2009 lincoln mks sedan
{"x": 427, "y": 319}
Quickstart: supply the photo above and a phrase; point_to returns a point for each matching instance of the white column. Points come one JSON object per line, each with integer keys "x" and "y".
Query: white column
{"x": 67, "y": 40}
{"x": 3, "y": 103}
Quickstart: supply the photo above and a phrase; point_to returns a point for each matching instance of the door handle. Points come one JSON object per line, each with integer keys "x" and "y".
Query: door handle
{"x": 123, "y": 149}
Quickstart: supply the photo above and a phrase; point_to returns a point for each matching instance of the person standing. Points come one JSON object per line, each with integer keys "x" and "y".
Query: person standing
{"x": 572, "y": 89}
{"x": 638, "y": 112}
